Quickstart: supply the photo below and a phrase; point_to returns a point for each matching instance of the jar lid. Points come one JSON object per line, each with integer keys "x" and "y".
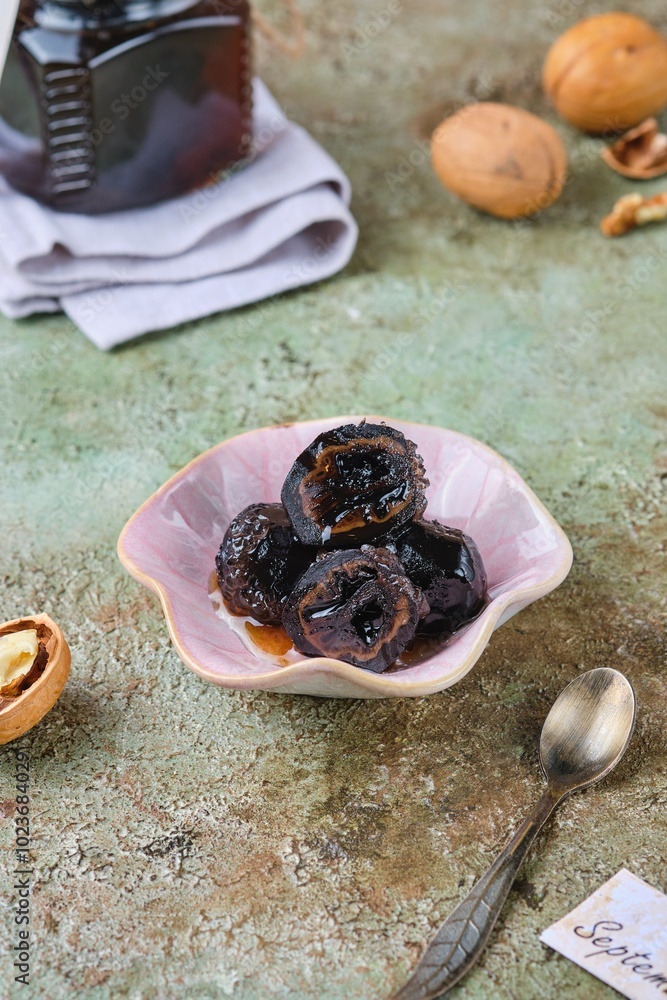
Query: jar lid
{"x": 70, "y": 14}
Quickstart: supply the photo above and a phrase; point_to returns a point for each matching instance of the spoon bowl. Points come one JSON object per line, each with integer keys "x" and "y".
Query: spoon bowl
{"x": 587, "y": 730}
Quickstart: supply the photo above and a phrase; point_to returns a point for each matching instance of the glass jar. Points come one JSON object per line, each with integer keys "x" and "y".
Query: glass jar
{"x": 116, "y": 104}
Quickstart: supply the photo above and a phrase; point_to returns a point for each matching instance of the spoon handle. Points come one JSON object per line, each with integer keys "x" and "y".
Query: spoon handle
{"x": 461, "y": 939}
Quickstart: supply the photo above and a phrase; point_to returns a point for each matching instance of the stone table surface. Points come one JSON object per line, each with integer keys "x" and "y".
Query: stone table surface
{"x": 195, "y": 842}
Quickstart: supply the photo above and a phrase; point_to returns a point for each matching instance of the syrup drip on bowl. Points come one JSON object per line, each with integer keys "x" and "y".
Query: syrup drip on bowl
{"x": 272, "y": 639}
{"x": 272, "y": 643}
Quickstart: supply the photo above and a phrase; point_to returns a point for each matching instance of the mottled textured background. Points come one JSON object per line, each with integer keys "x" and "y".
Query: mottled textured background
{"x": 194, "y": 842}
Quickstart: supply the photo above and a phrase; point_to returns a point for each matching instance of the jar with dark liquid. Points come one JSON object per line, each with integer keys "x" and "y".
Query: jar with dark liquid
{"x": 117, "y": 104}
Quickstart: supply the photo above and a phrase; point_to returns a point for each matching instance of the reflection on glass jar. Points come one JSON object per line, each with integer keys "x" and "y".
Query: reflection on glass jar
{"x": 116, "y": 104}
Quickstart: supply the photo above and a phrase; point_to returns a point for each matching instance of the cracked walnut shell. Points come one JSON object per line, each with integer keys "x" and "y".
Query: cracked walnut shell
{"x": 29, "y": 694}
{"x": 607, "y": 73}
{"x": 500, "y": 159}
{"x": 641, "y": 153}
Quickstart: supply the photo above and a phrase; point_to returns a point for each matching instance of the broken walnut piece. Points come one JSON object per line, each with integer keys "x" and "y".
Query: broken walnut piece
{"x": 18, "y": 652}
{"x": 634, "y": 210}
{"x": 641, "y": 153}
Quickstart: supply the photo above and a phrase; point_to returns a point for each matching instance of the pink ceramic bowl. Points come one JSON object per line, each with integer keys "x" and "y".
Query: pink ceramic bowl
{"x": 170, "y": 545}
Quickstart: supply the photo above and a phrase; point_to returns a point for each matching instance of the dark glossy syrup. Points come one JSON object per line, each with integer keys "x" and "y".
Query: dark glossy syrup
{"x": 273, "y": 641}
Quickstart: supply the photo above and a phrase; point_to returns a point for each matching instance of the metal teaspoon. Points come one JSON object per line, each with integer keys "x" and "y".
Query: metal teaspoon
{"x": 584, "y": 736}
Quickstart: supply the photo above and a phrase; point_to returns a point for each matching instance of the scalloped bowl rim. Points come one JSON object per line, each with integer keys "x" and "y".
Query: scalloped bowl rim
{"x": 375, "y": 684}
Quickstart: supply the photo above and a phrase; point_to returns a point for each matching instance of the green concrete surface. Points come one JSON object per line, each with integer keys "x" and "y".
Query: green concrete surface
{"x": 200, "y": 843}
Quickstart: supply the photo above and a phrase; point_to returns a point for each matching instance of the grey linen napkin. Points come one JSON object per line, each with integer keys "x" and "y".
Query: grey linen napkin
{"x": 280, "y": 222}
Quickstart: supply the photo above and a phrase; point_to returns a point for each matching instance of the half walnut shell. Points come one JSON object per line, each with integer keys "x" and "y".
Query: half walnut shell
{"x": 40, "y": 688}
{"x": 641, "y": 153}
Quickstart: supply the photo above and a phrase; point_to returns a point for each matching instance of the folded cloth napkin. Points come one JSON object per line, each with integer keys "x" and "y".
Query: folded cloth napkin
{"x": 280, "y": 222}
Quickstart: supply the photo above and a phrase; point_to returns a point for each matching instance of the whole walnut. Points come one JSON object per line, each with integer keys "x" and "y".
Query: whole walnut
{"x": 500, "y": 159}
{"x": 607, "y": 73}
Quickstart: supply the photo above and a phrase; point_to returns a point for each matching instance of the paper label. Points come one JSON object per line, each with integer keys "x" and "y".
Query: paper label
{"x": 619, "y": 934}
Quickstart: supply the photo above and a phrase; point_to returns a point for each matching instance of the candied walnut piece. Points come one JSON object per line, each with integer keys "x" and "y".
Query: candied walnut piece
{"x": 446, "y": 565}
{"x": 354, "y": 483}
{"x": 355, "y": 605}
{"x": 259, "y": 562}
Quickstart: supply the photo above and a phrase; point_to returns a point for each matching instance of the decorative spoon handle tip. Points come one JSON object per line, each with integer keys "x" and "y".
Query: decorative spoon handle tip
{"x": 460, "y": 940}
